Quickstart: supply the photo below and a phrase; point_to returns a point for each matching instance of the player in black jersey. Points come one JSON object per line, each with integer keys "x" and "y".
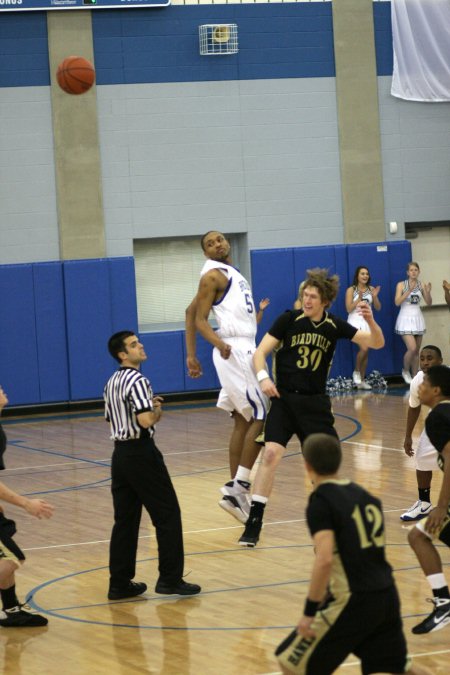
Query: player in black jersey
{"x": 15, "y": 614}
{"x": 305, "y": 341}
{"x": 352, "y": 604}
{"x": 435, "y": 392}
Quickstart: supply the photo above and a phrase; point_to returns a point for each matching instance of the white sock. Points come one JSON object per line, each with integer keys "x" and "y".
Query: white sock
{"x": 260, "y": 498}
{"x": 436, "y": 581}
{"x": 242, "y": 474}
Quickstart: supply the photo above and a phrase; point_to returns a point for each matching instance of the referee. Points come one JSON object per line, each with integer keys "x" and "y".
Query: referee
{"x": 139, "y": 478}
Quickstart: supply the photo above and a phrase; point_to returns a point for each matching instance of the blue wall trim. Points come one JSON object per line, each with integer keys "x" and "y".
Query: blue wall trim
{"x": 161, "y": 45}
{"x": 24, "y": 50}
{"x": 383, "y": 37}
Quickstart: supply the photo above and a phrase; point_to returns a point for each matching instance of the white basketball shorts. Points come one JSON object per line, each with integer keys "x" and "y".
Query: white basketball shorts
{"x": 240, "y": 388}
{"x": 426, "y": 454}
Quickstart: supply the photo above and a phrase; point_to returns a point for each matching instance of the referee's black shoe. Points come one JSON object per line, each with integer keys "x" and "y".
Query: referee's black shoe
{"x": 180, "y": 588}
{"x": 251, "y": 533}
{"x": 132, "y": 589}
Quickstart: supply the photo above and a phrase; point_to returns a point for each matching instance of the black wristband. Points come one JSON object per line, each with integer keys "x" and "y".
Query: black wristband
{"x": 311, "y": 607}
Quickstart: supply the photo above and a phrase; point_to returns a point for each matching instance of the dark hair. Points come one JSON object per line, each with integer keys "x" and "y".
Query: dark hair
{"x": 328, "y": 287}
{"x": 439, "y": 376}
{"x": 434, "y": 349}
{"x": 357, "y": 271}
{"x": 323, "y": 453}
{"x": 116, "y": 343}
{"x": 202, "y": 240}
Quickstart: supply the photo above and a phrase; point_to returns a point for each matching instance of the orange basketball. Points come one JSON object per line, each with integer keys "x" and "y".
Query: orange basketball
{"x": 75, "y": 75}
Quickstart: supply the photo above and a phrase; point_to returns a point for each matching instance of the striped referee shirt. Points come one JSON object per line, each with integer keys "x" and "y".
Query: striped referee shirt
{"x": 127, "y": 394}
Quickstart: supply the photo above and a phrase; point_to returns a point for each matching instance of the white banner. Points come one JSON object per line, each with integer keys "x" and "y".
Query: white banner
{"x": 421, "y": 41}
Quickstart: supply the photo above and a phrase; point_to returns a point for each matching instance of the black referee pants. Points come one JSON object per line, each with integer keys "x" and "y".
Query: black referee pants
{"x": 140, "y": 478}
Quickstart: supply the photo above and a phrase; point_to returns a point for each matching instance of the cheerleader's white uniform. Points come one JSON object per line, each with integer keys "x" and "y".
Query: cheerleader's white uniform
{"x": 410, "y": 319}
{"x": 355, "y": 318}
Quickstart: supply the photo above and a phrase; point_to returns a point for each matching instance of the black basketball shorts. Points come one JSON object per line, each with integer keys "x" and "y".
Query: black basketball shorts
{"x": 298, "y": 414}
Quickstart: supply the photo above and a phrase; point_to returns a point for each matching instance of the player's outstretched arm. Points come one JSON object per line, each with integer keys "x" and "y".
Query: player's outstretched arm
{"x": 265, "y": 302}
{"x": 265, "y": 347}
{"x": 320, "y": 577}
{"x": 36, "y": 507}
{"x": 194, "y": 367}
{"x": 373, "y": 339}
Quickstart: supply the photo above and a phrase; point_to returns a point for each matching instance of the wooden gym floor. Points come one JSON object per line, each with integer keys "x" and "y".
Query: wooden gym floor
{"x": 251, "y": 597}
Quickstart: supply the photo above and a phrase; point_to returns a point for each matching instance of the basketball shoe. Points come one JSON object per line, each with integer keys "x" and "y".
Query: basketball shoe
{"x": 235, "y": 501}
{"x": 250, "y": 537}
{"x": 439, "y": 617}
{"x": 21, "y": 616}
{"x": 417, "y": 511}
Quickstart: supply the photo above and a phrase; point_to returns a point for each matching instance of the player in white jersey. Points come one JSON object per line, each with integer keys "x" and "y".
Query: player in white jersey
{"x": 425, "y": 455}
{"x": 224, "y": 291}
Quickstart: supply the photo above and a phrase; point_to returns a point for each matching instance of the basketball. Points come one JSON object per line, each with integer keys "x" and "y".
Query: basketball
{"x": 75, "y": 75}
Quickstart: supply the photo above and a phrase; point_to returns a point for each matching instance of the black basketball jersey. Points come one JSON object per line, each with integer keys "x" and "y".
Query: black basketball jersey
{"x": 304, "y": 357}
{"x": 437, "y": 426}
{"x": 356, "y": 518}
{"x": 2, "y": 447}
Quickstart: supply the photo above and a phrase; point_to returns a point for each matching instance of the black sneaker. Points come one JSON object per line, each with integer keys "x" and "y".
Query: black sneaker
{"x": 438, "y": 618}
{"x": 132, "y": 589}
{"x": 251, "y": 533}
{"x": 181, "y": 588}
{"x": 22, "y": 616}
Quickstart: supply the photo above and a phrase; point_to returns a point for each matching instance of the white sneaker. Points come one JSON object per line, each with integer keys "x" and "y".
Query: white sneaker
{"x": 238, "y": 507}
{"x": 356, "y": 377}
{"x": 406, "y": 376}
{"x": 364, "y": 385}
{"x": 235, "y": 488}
{"x": 417, "y": 511}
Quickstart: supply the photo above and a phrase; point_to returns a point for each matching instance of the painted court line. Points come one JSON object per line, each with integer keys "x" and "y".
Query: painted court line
{"x": 375, "y": 447}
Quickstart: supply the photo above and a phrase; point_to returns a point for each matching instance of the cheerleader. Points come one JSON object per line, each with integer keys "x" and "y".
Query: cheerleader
{"x": 361, "y": 291}
{"x": 410, "y": 323}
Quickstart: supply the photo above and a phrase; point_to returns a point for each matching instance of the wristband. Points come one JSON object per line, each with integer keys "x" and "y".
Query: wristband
{"x": 311, "y": 607}
{"x": 262, "y": 375}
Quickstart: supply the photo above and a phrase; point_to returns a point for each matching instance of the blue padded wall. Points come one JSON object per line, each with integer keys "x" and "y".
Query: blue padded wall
{"x": 93, "y": 314}
{"x": 89, "y": 325}
{"x": 209, "y": 379}
{"x": 273, "y": 276}
{"x": 51, "y": 334}
{"x": 122, "y": 288}
{"x": 19, "y": 372}
{"x": 164, "y": 365}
